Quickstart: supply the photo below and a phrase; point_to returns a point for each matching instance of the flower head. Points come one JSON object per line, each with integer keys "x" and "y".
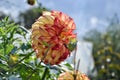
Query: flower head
{"x": 71, "y": 76}
{"x": 54, "y": 29}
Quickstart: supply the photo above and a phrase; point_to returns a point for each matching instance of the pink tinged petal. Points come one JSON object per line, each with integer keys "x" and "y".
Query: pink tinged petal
{"x": 51, "y": 31}
{"x": 43, "y": 38}
{"x": 54, "y": 39}
{"x": 62, "y": 16}
{"x": 54, "y": 54}
{"x": 56, "y": 46}
{"x": 56, "y": 21}
{"x": 64, "y": 56}
{"x": 46, "y": 61}
{"x": 70, "y": 24}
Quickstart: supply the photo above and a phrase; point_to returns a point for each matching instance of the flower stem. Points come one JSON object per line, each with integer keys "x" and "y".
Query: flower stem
{"x": 76, "y": 71}
{"x": 44, "y": 74}
{"x": 34, "y": 71}
{"x": 75, "y": 59}
{"x": 4, "y": 44}
{"x": 74, "y": 76}
{"x": 78, "y": 65}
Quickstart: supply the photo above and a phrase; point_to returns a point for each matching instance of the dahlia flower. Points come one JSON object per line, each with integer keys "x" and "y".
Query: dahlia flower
{"x": 72, "y": 76}
{"x": 55, "y": 30}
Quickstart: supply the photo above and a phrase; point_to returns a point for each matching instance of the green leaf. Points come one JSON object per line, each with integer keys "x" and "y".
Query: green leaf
{"x": 68, "y": 66}
{"x": 9, "y": 48}
{"x": 2, "y": 57}
{"x": 3, "y": 66}
{"x": 71, "y": 46}
{"x": 25, "y": 46}
{"x": 14, "y": 50}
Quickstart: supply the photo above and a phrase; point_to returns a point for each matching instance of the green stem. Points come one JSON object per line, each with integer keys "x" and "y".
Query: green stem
{"x": 75, "y": 59}
{"x": 78, "y": 65}
{"x": 4, "y": 45}
{"x": 34, "y": 71}
{"x": 76, "y": 71}
{"x": 44, "y": 74}
{"x": 74, "y": 75}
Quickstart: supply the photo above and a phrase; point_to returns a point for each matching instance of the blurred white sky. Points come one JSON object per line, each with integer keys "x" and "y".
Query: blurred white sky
{"x": 87, "y": 14}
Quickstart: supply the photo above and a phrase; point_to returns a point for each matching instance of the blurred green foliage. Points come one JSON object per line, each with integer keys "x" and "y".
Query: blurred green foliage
{"x": 11, "y": 52}
{"x": 2, "y": 15}
{"x": 28, "y": 17}
{"x": 106, "y": 51}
